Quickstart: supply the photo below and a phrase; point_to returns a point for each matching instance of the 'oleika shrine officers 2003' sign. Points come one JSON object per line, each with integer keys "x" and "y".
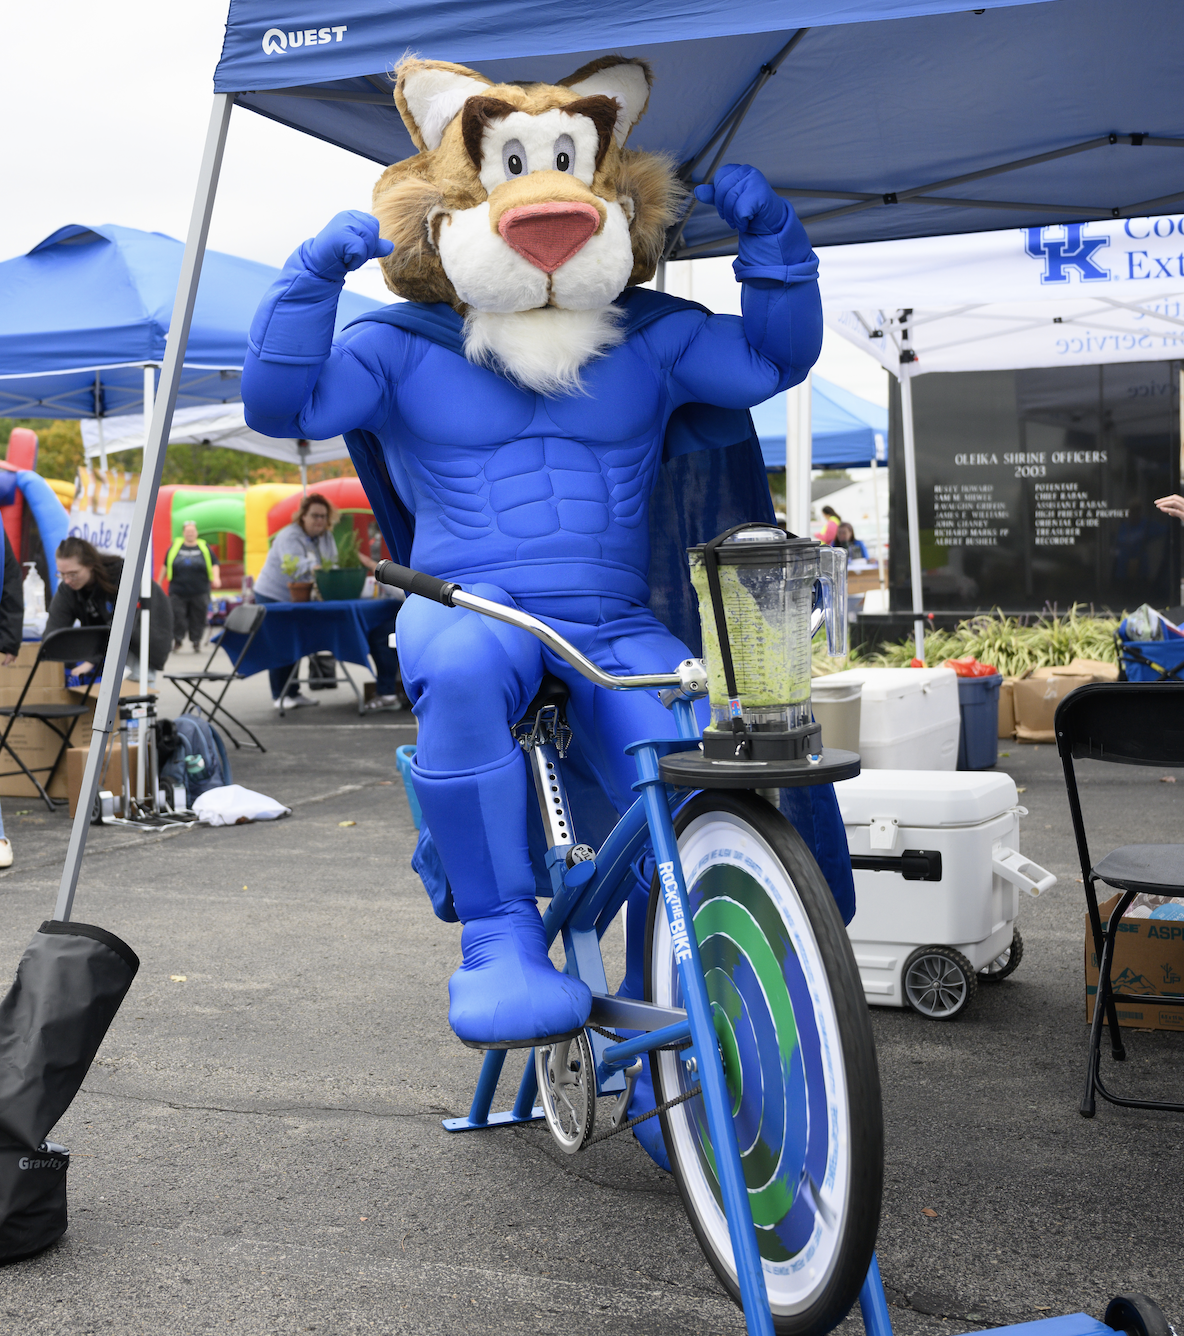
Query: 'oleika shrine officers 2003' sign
{"x": 1037, "y": 488}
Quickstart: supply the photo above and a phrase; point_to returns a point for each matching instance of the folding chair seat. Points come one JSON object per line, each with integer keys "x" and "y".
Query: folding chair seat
{"x": 71, "y": 644}
{"x": 1127, "y": 723}
{"x": 244, "y": 621}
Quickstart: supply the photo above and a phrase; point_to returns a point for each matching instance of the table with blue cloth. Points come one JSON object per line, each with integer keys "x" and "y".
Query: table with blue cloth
{"x": 290, "y": 631}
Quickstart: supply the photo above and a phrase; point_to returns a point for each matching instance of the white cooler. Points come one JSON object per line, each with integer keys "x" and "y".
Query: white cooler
{"x": 909, "y": 718}
{"x": 938, "y": 889}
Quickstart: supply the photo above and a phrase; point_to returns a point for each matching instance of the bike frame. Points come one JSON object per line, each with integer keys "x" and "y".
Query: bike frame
{"x": 587, "y": 896}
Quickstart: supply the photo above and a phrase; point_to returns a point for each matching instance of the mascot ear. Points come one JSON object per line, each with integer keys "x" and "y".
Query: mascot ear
{"x": 429, "y": 93}
{"x": 627, "y": 81}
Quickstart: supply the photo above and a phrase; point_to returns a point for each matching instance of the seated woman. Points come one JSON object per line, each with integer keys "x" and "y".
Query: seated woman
{"x": 309, "y": 541}
{"x": 88, "y": 581}
{"x": 845, "y": 538}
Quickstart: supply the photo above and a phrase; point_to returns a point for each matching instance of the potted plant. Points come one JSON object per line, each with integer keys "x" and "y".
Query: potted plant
{"x": 300, "y": 590}
{"x": 346, "y": 578}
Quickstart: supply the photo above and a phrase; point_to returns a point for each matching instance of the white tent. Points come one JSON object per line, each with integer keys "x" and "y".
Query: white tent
{"x": 213, "y": 424}
{"x": 1071, "y": 295}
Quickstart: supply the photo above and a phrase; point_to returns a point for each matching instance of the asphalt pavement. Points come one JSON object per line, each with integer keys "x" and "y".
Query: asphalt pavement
{"x": 258, "y": 1147}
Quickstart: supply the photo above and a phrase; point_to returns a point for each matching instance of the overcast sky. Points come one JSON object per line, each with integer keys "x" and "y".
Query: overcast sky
{"x": 104, "y": 109}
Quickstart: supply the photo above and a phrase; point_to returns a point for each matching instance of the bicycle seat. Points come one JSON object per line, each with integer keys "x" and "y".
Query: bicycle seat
{"x": 551, "y": 692}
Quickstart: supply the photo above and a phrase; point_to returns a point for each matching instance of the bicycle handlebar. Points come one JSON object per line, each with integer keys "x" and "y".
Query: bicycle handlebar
{"x": 689, "y": 679}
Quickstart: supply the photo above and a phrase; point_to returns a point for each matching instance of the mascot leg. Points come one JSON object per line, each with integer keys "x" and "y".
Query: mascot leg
{"x": 467, "y": 677}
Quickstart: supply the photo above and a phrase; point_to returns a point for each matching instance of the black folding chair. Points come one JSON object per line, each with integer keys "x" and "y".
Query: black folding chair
{"x": 244, "y": 621}
{"x": 72, "y": 644}
{"x": 1130, "y": 723}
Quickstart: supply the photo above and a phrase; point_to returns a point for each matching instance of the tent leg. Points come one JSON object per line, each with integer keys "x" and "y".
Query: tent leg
{"x": 798, "y": 458}
{"x": 145, "y": 608}
{"x": 910, "y": 484}
{"x": 154, "y": 451}
{"x": 876, "y": 510}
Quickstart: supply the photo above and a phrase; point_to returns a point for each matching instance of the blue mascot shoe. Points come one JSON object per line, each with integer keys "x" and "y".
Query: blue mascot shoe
{"x": 508, "y": 994}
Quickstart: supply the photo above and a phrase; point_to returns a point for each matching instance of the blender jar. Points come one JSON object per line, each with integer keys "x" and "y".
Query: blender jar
{"x": 768, "y": 584}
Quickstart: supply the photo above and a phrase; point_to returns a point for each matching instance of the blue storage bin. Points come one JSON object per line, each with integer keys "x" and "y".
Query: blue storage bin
{"x": 1162, "y": 657}
{"x": 978, "y": 703}
{"x": 403, "y": 758}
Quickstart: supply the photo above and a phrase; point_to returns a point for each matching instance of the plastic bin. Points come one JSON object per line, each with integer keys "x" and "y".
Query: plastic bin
{"x": 836, "y": 709}
{"x": 403, "y": 757}
{"x": 978, "y": 703}
{"x": 908, "y": 717}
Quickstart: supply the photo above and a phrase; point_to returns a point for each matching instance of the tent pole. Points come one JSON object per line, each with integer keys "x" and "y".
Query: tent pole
{"x": 798, "y": 457}
{"x": 876, "y": 509}
{"x": 145, "y": 605}
{"x": 154, "y": 449}
{"x": 302, "y": 449}
{"x": 907, "y": 360}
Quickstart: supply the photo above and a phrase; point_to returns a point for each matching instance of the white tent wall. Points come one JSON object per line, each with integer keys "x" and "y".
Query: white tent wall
{"x": 221, "y": 425}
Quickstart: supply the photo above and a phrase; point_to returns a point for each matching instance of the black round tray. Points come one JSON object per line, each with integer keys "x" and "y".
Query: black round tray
{"x": 692, "y": 770}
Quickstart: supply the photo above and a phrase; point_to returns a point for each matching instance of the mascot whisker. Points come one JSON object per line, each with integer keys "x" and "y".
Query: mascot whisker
{"x": 507, "y": 419}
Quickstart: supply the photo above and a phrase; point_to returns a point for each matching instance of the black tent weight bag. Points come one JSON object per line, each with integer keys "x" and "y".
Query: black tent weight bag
{"x": 69, "y": 985}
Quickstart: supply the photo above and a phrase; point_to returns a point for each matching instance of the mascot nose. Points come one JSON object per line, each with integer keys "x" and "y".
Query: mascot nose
{"x": 548, "y": 235}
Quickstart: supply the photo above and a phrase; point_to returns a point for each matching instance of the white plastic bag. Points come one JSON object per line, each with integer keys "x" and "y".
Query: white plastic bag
{"x": 232, "y": 805}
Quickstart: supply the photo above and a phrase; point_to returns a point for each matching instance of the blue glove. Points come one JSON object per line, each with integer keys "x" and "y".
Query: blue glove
{"x": 745, "y": 200}
{"x": 344, "y": 245}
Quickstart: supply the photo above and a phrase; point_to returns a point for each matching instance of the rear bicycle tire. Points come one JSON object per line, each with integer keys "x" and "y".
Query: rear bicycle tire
{"x": 799, "y": 1058}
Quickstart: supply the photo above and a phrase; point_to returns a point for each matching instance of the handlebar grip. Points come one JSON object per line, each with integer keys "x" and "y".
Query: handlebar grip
{"x": 415, "y": 582}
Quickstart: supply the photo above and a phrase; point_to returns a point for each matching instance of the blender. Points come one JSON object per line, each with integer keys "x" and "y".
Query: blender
{"x": 758, "y": 589}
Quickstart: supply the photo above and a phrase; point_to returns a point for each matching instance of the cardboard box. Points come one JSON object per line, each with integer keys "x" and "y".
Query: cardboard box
{"x": 1035, "y": 700}
{"x": 1007, "y": 707}
{"x": 112, "y": 777}
{"x": 1148, "y": 958}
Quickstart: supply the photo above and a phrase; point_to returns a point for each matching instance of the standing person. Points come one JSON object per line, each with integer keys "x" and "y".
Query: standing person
{"x": 192, "y": 572}
{"x": 88, "y": 582}
{"x": 309, "y": 539}
{"x": 12, "y": 619}
{"x": 830, "y": 526}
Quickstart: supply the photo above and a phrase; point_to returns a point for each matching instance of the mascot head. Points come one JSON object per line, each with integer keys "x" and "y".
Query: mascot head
{"x": 524, "y": 210}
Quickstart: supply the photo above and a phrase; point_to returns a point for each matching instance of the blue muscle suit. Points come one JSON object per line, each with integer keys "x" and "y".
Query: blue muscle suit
{"x": 537, "y": 502}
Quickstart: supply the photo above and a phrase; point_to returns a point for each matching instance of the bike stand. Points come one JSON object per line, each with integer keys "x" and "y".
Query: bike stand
{"x": 873, "y": 1305}
{"x": 525, "y": 1110}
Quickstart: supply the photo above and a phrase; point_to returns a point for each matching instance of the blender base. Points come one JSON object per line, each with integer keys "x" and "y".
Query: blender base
{"x": 694, "y": 770}
{"x": 764, "y": 745}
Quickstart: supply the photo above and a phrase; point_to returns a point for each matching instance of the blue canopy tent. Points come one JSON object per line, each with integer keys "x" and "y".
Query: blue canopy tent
{"x": 878, "y": 118}
{"x": 846, "y": 431}
{"x": 86, "y": 311}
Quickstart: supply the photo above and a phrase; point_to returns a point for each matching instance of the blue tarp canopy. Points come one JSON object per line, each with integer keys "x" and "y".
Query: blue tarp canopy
{"x": 846, "y": 431}
{"x": 85, "y": 311}
{"x": 877, "y": 118}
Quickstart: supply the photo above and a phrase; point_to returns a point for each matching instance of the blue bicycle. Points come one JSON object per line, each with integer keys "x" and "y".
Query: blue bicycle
{"x": 753, "y": 1022}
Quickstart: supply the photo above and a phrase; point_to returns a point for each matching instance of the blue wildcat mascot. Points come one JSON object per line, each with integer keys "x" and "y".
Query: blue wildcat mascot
{"x": 509, "y": 422}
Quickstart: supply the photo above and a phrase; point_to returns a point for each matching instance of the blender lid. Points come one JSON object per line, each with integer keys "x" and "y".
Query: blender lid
{"x": 766, "y": 546}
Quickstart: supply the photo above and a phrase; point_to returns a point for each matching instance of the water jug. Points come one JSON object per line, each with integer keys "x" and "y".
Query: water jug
{"x": 758, "y": 588}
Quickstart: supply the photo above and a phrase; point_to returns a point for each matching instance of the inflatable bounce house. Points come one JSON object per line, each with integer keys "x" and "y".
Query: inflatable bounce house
{"x": 33, "y": 507}
{"x": 239, "y": 524}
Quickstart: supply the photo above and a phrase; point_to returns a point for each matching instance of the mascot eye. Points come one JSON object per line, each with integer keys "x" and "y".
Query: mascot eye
{"x": 513, "y": 158}
{"x": 565, "y": 154}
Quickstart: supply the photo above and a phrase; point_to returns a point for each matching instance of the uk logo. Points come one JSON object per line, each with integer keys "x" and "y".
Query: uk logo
{"x": 1061, "y": 254}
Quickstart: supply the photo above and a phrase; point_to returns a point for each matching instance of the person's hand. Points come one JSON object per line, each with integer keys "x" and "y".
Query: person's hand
{"x": 7, "y": 660}
{"x": 216, "y": 580}
{"x": 745, "y": 200}
{"x": 81, "y": 669}
{"x": 1172, "y": 505}
{"x": 349, "y": 240}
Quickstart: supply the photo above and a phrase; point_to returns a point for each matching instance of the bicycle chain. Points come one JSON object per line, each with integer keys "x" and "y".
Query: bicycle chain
{"x": 661, "y": 1108}
{"x": 696, "y": 1089}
